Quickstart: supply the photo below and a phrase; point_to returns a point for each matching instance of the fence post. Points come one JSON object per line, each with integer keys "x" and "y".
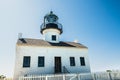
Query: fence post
{"x": 110, "y": 76}
{"x": 94, "y": 76}
{"x": 46, "y": 78}
{"x": 63, "y": 76}
{"x": 78, "y": 76}
{"x": 19, "y": 77}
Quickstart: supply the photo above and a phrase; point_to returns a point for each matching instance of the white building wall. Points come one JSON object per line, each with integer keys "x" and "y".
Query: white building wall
{"x": 49, "y": 53}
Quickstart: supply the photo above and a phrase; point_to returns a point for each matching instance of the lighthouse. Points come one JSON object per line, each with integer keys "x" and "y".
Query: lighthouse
{"x": 50, "y": 55}
{"x": 51, "y": 29}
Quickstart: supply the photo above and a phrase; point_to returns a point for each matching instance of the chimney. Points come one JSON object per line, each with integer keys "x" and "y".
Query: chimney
{"x": 19, "y": 35}
{"x": 75, "y": 41}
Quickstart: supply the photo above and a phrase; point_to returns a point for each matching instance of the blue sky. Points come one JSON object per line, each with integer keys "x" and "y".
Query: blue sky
{"x": 95, "y": 23}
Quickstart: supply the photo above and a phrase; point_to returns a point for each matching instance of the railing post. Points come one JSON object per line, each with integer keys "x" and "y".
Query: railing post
{"x": 19, "y": 78}
{"x": 110, "y": 76}
{"x": 63, "y": 69}
{"x": 78, "y": 76}
{"x": 46, "y": 78}
{"x": 63, "y": 76}
{"x": 94, "y": 76}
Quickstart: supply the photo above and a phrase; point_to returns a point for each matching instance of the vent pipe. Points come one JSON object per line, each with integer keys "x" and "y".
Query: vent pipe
{"x": 19, "y": 35}
{"x": 76, "y": 41}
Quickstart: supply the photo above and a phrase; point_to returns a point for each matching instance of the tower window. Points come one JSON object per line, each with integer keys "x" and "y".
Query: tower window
{"x": 82, "y": 61}
{"x": 40, "y": 61}
{"x": 72, "y": 61}
{"x": 26, "y": 61}
{"x": 53, "y": 37}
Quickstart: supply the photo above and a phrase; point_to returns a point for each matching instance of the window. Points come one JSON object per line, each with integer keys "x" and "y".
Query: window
{"x": 53, "y": 37}
{"x": 72, "y": 61}
{"x": 82, "y": 61}
{"x": 26, "y": 61}
{"x": 40, "y": 61}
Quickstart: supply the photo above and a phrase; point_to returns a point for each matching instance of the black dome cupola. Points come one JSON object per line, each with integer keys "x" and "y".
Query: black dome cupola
{"x": 51, "y": 17}
{"x": 51, "y": 22}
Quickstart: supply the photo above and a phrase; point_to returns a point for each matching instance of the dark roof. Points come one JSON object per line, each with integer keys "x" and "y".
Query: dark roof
{"x": 39, "y": 42}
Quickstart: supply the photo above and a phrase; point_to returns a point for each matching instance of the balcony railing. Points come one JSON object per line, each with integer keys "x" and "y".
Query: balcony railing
{"x": 51, "y": 25}
{"x": 65, "y": 70}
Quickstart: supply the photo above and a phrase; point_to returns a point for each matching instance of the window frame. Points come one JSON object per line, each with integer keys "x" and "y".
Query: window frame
{"x": 41, "y": 61}
{"x": 54, "y": 37}
{"x": 72, "y": 61}
{"x": 82, "y": 61}
{"x": 26, "y": 61}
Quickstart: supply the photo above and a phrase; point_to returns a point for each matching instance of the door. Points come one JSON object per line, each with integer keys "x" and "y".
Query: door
{"x": 57, "y": 64}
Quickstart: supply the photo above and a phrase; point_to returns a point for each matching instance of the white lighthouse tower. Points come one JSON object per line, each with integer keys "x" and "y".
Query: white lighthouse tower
{"x": 51, "y": 29}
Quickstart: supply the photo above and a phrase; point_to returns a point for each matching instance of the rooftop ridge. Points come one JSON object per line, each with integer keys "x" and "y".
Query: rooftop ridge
{"x": 41, "y": 42}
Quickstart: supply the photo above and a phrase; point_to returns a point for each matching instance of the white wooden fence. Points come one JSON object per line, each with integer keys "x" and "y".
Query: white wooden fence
{"x": 85, "y": 76}
{"x": 7, "y": 79}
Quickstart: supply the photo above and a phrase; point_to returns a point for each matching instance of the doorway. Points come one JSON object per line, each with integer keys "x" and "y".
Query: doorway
{"x": 57, "y": 64}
